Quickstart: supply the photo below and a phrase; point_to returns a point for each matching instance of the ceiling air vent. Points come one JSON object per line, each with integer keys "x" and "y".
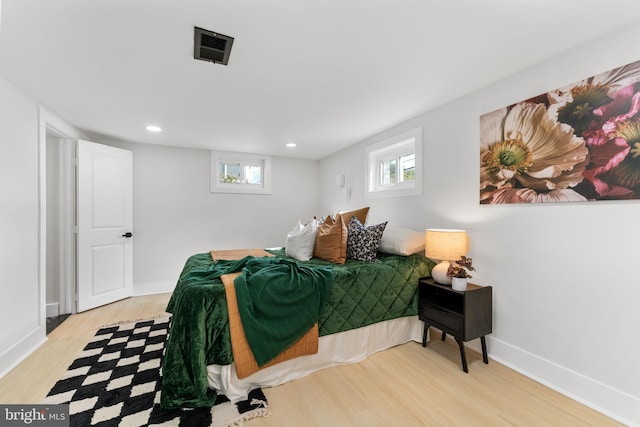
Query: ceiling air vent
{"x": 212, "y": 47}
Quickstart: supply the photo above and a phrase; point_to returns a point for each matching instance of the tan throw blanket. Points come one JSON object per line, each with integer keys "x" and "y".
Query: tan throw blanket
{"x": 234, "y": 254}
{"x": 242, "y": 354}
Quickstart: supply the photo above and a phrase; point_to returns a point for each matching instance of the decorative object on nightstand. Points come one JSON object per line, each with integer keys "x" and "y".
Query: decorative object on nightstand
{"x": 442, "y": 245}
{"x": 459, "y": 273}
{"x": 465, "y": 315}
{"x": 459, "y": 283}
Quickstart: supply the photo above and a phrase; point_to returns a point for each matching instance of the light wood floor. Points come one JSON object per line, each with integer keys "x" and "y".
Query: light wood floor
{"x": 403, "y": 386}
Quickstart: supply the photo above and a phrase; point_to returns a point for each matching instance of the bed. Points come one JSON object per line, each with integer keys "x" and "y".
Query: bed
{"x": 369, "y": 307}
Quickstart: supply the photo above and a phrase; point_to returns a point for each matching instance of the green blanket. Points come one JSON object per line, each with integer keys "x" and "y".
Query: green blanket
{"x": 279, "y": 301}
{"x": 361, "y": 294}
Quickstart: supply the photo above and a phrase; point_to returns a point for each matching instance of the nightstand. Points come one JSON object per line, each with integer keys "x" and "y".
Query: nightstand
{"x": 465, "y": 315}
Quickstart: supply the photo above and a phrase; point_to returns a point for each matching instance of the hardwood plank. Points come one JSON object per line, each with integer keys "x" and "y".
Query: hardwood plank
{"x": 407, "y": 385}
{"x": 412, "y": 386}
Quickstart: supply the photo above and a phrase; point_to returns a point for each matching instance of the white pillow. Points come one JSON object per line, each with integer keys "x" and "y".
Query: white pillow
{"x": 302, "y": 240}
{"x": 401, "y": 241}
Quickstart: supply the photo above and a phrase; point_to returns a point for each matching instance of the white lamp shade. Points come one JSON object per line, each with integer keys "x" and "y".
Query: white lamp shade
{"x": 444, "y": 246}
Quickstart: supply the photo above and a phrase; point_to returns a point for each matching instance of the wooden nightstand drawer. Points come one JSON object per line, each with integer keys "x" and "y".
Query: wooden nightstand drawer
{"x": 441, "y": 317}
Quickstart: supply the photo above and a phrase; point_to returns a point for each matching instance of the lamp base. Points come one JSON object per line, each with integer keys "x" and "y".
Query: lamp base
{"x": 439, "y": 273}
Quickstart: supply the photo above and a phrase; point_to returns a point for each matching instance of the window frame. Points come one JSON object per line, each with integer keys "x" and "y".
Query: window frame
{"x": 218, "y": 158}
{"x": 394, "y": 147}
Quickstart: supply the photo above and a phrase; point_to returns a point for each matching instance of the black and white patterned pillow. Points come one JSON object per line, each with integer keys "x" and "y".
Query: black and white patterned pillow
{"x": 363, "y": 242}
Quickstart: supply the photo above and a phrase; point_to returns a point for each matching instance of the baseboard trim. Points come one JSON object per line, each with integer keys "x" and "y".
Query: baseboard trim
{"x": 53, "y": 309}
{"x": 15, "y": 354}
{"x": 153, "y": 288}
{"x": 616, "y": 404}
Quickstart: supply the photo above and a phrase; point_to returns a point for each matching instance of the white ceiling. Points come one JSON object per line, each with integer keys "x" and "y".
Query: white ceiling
{"x": 322, "y": 73}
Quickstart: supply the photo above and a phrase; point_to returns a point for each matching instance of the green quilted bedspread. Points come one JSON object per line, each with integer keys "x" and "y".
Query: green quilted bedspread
{"x": 361, "y": 294}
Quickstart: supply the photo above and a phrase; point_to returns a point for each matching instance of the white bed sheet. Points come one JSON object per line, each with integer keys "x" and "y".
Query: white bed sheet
{"x": 336, "y": 349}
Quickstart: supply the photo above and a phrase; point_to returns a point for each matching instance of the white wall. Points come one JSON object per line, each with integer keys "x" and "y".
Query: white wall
{"x": 175, "y": 215}
{"x": 566, "y": 296}
{"x": 20, "y": 304}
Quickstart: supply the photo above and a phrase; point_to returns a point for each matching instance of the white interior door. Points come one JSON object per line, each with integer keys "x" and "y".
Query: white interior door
{"x": 105, "y": 219}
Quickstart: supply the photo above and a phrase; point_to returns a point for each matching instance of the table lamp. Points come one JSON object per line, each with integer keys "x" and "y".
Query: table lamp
{"x": 445, "y": 246}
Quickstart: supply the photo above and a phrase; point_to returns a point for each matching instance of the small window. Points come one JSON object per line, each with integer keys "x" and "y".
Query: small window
{"x": 394, "y": 166}
{"x": 398, "y": 169}
{"x": 240, "y": 173}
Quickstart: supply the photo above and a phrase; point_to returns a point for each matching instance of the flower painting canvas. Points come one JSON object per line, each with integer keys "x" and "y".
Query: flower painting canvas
{"x": 577, "y": 143}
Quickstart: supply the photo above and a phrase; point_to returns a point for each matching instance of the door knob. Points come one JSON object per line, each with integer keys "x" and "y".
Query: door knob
{"x": 127, "y": 234}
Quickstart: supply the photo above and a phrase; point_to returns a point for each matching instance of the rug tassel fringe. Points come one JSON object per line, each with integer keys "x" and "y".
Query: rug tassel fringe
{"x": 264, "y": 411}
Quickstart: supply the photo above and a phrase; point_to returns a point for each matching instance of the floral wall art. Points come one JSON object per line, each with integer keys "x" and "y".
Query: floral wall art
{"x": 577, "y": 143}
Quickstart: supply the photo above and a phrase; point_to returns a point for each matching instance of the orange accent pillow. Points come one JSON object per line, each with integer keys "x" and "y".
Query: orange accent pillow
{"x": 331, "y": 241}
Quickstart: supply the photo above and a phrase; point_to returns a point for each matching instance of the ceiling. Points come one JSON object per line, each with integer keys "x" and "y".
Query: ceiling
{"x": 321, "y": 73}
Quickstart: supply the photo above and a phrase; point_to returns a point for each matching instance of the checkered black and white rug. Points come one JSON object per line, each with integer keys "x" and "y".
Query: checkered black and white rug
{"x": 116, "y": 382}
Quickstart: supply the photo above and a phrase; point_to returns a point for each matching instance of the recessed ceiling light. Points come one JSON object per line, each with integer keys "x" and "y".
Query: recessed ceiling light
{"x": 291, "y": 144}
{"x": 152, "y": 128}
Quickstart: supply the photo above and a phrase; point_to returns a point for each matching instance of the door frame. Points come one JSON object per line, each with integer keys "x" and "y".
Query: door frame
{"x": 49, "y": 123}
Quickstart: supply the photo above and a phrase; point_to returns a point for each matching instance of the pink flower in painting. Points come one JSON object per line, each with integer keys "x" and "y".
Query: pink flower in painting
{"x": 625, "y": 105}
{"x": 606, "y": 153}
{"x": 614, "y": 170}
